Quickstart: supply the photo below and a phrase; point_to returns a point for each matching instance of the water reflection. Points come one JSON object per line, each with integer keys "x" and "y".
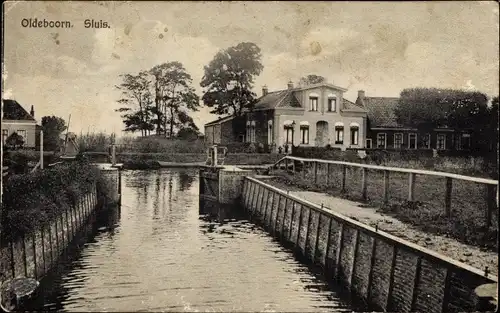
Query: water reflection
{"x": 162, "y": 252}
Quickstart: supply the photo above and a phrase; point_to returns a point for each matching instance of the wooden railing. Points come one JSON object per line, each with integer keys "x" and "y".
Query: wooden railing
{"x": 378, "y": 269}
{"x": 491, "y": 186}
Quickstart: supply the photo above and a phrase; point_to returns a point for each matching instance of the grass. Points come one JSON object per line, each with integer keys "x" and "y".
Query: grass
{"x": 427, "y": 211}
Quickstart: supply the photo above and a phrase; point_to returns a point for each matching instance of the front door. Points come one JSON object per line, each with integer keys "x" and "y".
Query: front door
{"x": 321, "y": 133}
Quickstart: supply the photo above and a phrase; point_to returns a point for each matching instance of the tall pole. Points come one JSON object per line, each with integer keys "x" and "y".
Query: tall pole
{"x": 41, "y": 149}
{"x": 1, "y": 177}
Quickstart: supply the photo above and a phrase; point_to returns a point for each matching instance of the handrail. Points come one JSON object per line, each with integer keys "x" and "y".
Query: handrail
{"x": 375, "y": 232}
{"x": 398, "y": 169}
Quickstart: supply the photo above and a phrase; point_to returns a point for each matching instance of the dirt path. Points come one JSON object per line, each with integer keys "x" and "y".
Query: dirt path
{"x": 449, "y": 247}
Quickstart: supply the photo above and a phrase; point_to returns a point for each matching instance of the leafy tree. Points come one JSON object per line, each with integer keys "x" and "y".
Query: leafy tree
{"x": 137, "y": 100}
{"x": 311, "y": 79}
{"x": 14, "y": 141}
{"x": 174, "y": 94}
{"x": 434, "y": 107}
{"x": 229, "y": 78}
{"x": 427, "y": 108}
{"x": 52, "y": 127}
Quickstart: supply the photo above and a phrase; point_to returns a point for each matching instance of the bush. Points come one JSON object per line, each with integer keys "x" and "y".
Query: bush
{"x": 35, "y": 199}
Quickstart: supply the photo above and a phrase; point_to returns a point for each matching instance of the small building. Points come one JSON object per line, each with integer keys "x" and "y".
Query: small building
{"x": 222, "y": 131}
{"x": 384, "y": 131}
{"x": 17, "y": 120}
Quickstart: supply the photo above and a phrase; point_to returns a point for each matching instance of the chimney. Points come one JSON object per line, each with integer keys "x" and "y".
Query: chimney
{"x": 290, "y": 85}
{"x": 361, "y": 98}
{"x": 264, "y": 90}
{"x": 32, "y": 112}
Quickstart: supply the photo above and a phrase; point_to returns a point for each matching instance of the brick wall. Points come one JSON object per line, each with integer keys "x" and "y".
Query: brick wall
{"x": 378, "y": 271}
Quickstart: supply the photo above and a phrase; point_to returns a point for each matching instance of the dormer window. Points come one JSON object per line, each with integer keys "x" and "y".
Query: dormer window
{"x": 313, "y": 102}
{"x": 332, "y": 103}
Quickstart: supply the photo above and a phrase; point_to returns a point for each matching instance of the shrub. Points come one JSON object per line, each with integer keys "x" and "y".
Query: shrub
{"x": 34, "y": 199}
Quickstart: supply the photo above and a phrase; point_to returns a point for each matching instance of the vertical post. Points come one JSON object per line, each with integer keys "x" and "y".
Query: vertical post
{"x": 113, "y": 154}
{"x": 303, "y": 169}
{"x": 215, "y": 161}
{"x": 293, "y": 167}
{"x": 416, "y": 283}
{"x": 447, "y": 196}
{"x": 327, "y": 173}
{"x": 41, "y": 149}
{"x": 490, "y": 199}
{"x": 411, "y": 186}
{"x": 363, "y": 183}
{"x": 286, "y": 165}
{"x": 344, "y": 174}
{"x": 386, "y": 187}
{"x": 315, "y": 172}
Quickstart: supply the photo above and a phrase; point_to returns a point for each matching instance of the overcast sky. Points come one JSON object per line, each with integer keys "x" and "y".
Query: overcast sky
{"x": 381, "y": 48}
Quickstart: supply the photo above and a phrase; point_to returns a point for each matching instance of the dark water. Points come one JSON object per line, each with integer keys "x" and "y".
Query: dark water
{"x": 159, "y": 254}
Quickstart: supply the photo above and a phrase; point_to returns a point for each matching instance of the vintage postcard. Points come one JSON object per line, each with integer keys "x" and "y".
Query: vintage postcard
{"x": 240, "y": 156}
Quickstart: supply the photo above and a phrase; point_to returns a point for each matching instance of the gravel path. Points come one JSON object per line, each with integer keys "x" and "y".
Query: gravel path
{"x": 470, "y": 255}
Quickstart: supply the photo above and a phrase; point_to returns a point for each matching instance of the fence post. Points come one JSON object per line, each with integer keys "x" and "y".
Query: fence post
{"x": 113, "y": 154}
{"x": 447, "y": 196}
{"x": 315, "y": 164}
{"x": 327, "y": 173}
{"x": 386, "y": 187}
{"x": 363, "y": 183}
{"x": 286, "y": 165}
{"x": 411, "y": 186}
{"x": 490, "y": 198}
{"x": 303, "y": 169}
{"x": 344, "y": 174}
{"x": 293, "y": 167}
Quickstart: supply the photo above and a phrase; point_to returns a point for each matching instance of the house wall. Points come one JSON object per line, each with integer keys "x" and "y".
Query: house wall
{"x": 209, "y": 134}
{"x": 313, "y": 118}
{"x": 14, "y": 126}
{"x": 450, "y": 141}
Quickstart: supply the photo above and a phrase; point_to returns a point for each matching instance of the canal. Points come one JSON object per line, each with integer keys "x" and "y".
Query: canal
{"x": 160, "y": 253}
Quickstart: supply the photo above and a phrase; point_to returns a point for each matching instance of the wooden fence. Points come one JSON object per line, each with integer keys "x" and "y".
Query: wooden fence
{"x": 376, "y": 269}
{"x": 312, "y": 166}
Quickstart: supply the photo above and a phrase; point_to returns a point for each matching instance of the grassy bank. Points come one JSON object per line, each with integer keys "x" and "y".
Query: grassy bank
{"x": 427, "y": 212}
{"x": 35, "y": 199}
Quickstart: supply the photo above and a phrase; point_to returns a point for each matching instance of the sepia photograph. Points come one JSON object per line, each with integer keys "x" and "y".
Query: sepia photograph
{"x": 249, "y": 156}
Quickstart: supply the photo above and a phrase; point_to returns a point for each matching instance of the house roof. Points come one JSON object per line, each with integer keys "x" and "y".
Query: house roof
{"x": 12, "y": 110}
{"x": 352, "y": 107}
{"x": 220, "y": 120}
{"x": 277, "y": 99}
{"x": 381, "y": 111}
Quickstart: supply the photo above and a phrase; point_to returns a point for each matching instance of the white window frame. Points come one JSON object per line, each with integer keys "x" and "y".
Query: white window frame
{"x": 369, "y": 146}
{"x": 5, "y": 135}
{"x": 330, "y": 99}
{"x": 428, "y": 135}
{"x": 24, "y": 134}
{"x": 356, "y": 129}
{"x": 304, "y": 134}
{"x": 288, "y": 134}
{"x": 313, "y": 103}
{"x": 402, "y": 141}
{"x": 416, "y": 140}
{"x": 385, "y": 140}
{"x": 270, "y": 132}
{"x": 444, "y": 142}
{"x": 339, "y": 134}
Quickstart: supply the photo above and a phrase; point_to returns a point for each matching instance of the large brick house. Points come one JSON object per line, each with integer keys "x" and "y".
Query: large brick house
{"x": 314, "y": 115}
{"x": 384, "y": 132}
{"x": 17, "y": 120}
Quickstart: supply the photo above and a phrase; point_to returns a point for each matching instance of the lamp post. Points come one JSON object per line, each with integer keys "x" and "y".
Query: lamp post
{"x": 293, "y": 134}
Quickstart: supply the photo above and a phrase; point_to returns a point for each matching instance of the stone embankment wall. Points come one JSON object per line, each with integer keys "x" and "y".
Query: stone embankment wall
{"x": 36, "y": 253}
{"x": 375, "y": 269}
